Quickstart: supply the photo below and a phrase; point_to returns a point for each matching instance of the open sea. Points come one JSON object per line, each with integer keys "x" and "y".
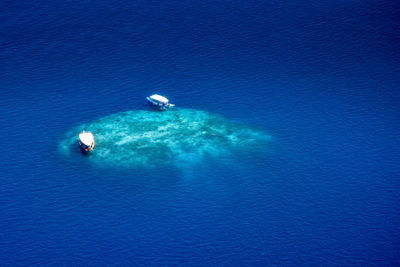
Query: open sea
{"x": 320, "y": 78}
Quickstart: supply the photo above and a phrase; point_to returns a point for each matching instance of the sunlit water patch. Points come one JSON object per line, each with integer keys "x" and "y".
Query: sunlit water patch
{"x": 150, "y": 138}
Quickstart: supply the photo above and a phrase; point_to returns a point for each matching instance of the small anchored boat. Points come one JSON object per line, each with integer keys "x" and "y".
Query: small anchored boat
{"x": 86, "y": 141}
{"x": 159, "y": 102}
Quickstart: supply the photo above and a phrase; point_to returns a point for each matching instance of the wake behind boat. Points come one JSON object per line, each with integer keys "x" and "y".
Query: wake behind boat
{"x": 159, "y": 102}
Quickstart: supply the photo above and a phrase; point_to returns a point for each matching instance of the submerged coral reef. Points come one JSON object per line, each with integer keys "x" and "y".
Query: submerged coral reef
{"x": 149, "y": 138}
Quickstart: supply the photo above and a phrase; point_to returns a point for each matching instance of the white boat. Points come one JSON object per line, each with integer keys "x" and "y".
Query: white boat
{"x": 86, "y": 141}
{"x": 159, "y": 102}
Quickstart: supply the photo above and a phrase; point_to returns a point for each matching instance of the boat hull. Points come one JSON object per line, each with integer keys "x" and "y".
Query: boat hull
{"x": 158, "y": 106}
{"x": 85, "y": 148}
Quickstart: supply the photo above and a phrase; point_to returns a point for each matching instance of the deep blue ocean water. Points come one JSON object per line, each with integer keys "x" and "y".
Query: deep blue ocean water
{"x": 321, "y": 77}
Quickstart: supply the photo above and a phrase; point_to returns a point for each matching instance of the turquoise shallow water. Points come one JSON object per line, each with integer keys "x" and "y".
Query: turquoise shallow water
{"x": 302, "y": 98}
{"x": 149, "y": 139}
